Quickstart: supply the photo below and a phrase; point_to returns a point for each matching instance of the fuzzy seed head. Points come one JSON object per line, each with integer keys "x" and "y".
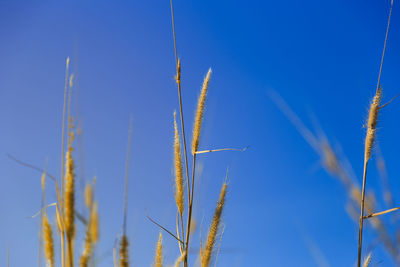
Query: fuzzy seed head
{"x": 48, "y": 242}
{"x": 94, "y": 224}
{"x": 71, "y": 80}
{"x": 178, "y": 170}
{"x": 87, "y": 250}
{"x": 159, "y": 259}
{"x": 69, "y": 191}
{"x": 44, "y": 181}
{"x": 178, "y": 72}
{"x": 206, "y": 252}
{"x": 371, "y": 123}
{"x": 199, "y": 113}
{"x": 123, "y": 252}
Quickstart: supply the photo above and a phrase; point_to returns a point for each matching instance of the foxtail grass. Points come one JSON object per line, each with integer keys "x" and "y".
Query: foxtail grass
{"x": 123, "y": 252}
{"x": 178, "y": 169}
{"x": 69, "y": 198}
{"x": 370, "y": 137}
{"x": 200, "y": 113}
{"x": 206, "y": 252}
{"x": 48, "y": 242}
{"x": 159, "y": 258}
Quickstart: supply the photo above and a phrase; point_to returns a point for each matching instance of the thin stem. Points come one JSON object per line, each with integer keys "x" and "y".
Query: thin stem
{"x": 173, "y": 31}
{"x": 165, "y": 229}
{"x": 366, "y": 159}
{"x": 219, "y": 246}
{"x": 183, "y": 233}
{"x": 63, "y": 127}
{"x": 221, "y": 149}
{"x": 62, "y": 159}
{"x": 384, "y": 47}
{"x": 178, "y": 234}
{"x": 387, "y": 103}
{"x": 62, "y": 248}
{"x": 184, "y": 140}
{"x": 190, "y": 211}
{"x": 70, "y": 252}
{"x": 180, "y": 101}
{"x": 381, "y": 213}
{"x": 52, "y": 177}
{"x": 362, "y": 214}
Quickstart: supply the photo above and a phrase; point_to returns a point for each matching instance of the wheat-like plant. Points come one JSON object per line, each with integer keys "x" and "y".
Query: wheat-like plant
{"x": 206, "y": 252}
{"x": 199, "y": 113}
{"x": 48, "y": 242}
{"x": 123, "y": 252}
{"x": 178, "y": 169}
{"x": 370, "y": 137}
{"x": 159, "y": 258}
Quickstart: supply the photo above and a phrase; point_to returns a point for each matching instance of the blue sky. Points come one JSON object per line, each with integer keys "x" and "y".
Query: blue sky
{"x": 322, "y": 57}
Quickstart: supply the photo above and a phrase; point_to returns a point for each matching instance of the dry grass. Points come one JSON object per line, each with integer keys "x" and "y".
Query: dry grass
{"x": 123, "y": 252}
{"x": 200, "y": 113}
{"x": 48, "y": 242}
{"x": 206, "y": 252}
{"x": 159, "y": 258}
{"x": 178, "y": 169}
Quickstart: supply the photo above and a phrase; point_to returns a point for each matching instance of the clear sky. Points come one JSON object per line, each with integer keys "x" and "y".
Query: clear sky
{"x": 282, "y": 207}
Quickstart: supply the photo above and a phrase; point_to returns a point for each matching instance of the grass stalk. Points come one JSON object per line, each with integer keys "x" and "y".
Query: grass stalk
{"x": 372, "y": 120}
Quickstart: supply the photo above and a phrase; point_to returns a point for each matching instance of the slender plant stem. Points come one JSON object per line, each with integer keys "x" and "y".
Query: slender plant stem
{"x": 360, "y": 231}
{"x": 180, "y": 103}
{"x": 384, "y": 47}
{"x": 62, "y": 162}
{"x": 70, "y": 252}
{"x": 178, "y": 233}
{"x": 63, "y": 128}
{"x": 62, "y": 249}
{"x": 183, "y": 232}
{"x": 190, "y": 193}
{"x": 190, "y": 211}
{"x": 165, "y": 229}
{"x": 381, "y": 213}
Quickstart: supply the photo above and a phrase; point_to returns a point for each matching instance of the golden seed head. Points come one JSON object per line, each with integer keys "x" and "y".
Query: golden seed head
{"x": 69, "y": 213}
{"x": 199, "y": 113}
{"x": 123, "y": 252}
{"x": 87, "y": 251}
{"x": 371, "y": 123}
{"x": 178, "y": 170}
{"x": 44, "y": 181}
{"x": 178, "y": 72}
{"x": 48, "y": 242}
{"x": 71, "y": 80}
{"x": 159, "y": 260}
{"x": 206, "y": 253}
{"x": 94, "y": 224}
